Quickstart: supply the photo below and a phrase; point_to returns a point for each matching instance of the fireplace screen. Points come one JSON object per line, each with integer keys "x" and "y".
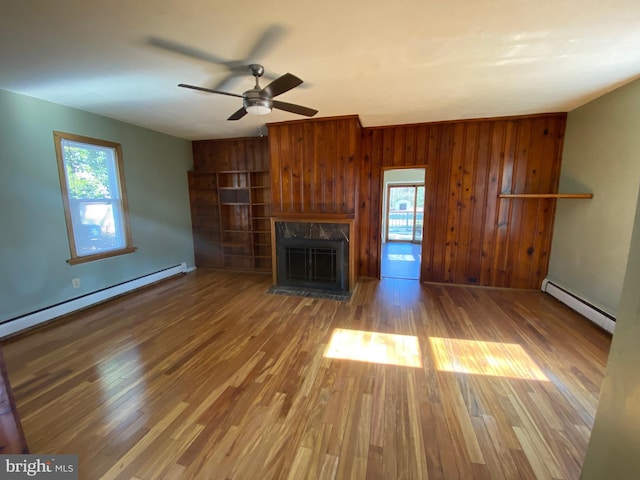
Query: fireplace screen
{"x": 311, "y": 263}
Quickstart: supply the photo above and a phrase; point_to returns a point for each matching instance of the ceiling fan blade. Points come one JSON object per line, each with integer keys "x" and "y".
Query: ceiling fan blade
{"x": 238, "y": 115}
{"x": 208, "y": 90}
{"x": 290, "y": 107}
{"x": 186, "y": 50}
{"x": 237, "y": 70}
{"x": 280, "y": 85}
{"x": 233, "y": 74}
{"x": 265, "y": 43}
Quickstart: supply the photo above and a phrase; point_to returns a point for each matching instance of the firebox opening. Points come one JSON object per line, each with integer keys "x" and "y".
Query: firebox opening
{"x": 311, "y": 263}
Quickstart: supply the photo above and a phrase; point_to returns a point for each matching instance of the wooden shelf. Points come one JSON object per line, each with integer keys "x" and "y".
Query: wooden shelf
{"x": 545, "y": 195}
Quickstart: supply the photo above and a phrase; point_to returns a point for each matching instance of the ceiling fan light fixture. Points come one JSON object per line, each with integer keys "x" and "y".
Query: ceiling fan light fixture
{"x": 257, "y": 106}
{"x": 258, "y": 110}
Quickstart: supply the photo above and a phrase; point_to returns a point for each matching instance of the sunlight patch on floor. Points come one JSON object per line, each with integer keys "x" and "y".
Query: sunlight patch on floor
{"x": 374, "y": 347}
{"x": 484, "y": 358}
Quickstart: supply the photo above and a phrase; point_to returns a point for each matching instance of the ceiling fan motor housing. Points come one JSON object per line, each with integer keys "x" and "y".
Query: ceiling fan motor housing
{"x": 255, "y": 103}
{"x": 256, "y": 70}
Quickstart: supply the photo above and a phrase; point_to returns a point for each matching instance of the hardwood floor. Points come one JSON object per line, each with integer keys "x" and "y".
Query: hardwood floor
{"x": 400, "y": 260}
{"x": 205, "y": 376}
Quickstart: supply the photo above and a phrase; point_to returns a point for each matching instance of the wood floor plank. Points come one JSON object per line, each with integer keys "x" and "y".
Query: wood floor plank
{"x": 498, "y": 443}
{"x": 206, "y": 376}
{"x": 418, "y": 456}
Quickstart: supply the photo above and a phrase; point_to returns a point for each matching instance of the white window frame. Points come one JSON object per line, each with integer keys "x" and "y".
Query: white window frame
{"x": 117, "y": 202}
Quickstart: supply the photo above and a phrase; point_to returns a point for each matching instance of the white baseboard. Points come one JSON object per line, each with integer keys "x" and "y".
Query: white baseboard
{"x": 584, "y": 308}
{"x": 32, "y": 319}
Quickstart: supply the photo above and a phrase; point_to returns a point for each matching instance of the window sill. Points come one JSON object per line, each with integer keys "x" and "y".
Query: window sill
{"x": 101, "y": 255}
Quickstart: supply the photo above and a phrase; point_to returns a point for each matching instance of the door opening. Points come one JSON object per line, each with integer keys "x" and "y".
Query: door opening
{"x": 402, "y": 223}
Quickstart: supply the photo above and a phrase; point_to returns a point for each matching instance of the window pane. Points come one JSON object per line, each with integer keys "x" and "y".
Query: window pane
{"x": 96, "y": 227}
{"x": 401, "y": 212}
{"x": 90, "y": 171}
{"x": 419, "y": 213}
{"x": 95, "y": 200}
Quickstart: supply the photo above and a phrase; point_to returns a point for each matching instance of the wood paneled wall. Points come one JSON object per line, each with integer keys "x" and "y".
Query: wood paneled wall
{"x": 314, "y": 166}
{"x": 250, "y": 153}
{"x": 333, "y": 167}
{"x": 470, "y": 235}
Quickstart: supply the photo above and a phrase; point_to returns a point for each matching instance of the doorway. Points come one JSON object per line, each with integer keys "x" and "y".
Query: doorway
{"x": 402, "y": 223}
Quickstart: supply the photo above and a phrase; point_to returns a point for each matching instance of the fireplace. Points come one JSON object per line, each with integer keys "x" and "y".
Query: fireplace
{"x": 312, "y": 254}
{"x": 311, "y": 263}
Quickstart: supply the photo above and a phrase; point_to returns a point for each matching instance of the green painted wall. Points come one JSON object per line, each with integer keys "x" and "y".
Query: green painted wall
{"x": 33, "y": 239}
{"x": 591, "y": 237}
{"x": 615, "y": 438}
{"x": 596, "y": 254}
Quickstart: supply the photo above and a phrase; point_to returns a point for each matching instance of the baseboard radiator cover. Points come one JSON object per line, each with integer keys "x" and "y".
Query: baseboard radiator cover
{"x": 584, "y": 308}
{"x": 18, "y": 324}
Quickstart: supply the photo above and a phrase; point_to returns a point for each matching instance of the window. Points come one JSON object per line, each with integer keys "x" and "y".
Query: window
{"x": 405, "y": 212}
{"x": 94, "y": 197}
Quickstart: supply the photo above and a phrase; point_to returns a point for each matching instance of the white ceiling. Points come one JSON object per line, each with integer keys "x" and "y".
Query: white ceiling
{"x": 391, "y": 62}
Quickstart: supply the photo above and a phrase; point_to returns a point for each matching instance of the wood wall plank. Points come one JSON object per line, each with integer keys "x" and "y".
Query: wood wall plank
{"x": 376, "y": 221}
{"x": 364, "y": 210}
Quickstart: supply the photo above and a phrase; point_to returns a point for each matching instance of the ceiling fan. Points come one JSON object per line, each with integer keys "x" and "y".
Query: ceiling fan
{"x": 259, "y": 101}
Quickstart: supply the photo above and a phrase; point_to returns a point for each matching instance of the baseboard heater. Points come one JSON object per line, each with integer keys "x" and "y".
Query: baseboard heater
{"x": 14, "y": 325}
{"x": 574, "y": 302}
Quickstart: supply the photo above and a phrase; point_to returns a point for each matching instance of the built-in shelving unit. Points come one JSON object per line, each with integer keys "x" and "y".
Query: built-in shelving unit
{"x": 546, "y": 195}
{"x": 231, "y": 213}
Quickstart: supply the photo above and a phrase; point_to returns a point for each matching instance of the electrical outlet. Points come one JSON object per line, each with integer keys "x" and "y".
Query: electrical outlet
{"x": 75, "y": 282}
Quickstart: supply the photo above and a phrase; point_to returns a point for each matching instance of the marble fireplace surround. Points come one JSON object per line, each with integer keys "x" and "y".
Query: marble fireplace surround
{"x": 319, "y": 228}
